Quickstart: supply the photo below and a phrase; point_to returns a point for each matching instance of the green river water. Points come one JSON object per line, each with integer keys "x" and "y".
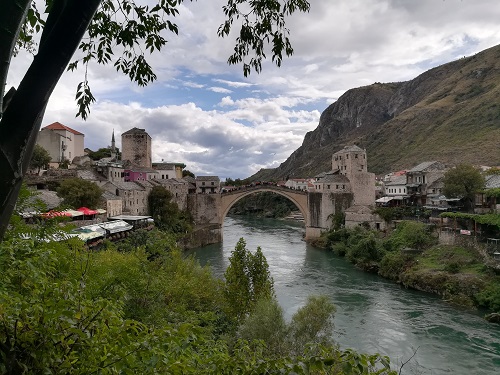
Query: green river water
{"x": 373, "y": 314}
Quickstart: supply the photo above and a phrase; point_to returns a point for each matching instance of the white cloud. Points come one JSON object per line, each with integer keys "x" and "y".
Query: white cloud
{"x": 339, "y": 45}
{"x": 221, "y": 90}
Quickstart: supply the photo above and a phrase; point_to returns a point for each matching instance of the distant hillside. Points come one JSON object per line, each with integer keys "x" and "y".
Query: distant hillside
{"x": 450, "y": 113}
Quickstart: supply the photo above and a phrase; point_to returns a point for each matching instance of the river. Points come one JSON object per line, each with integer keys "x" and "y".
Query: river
{"x": 373, "y": 314}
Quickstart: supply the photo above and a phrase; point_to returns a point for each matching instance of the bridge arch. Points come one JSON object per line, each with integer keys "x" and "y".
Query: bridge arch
{"x": 299, "y": 198}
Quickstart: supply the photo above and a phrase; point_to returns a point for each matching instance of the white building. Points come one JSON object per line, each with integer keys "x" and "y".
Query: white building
{"x": 62, "y": 142}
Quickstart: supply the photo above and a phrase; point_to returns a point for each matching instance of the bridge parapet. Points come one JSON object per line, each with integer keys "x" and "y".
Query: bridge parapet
{"x": 263, "y": 187}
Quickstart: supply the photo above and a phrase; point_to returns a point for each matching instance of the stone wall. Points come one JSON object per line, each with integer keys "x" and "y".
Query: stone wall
{"x": 204, "y": 208}
{"x": 363, "y": 188}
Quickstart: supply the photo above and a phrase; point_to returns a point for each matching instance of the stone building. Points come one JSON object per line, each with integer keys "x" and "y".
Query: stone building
{"x": 134, "y": 196}
{"x": 179, "y": 189}
{"x": 207, "y": 184}
{"x": 351, "y": 162}
{"x": 169, "y": 170}
{"x": 420, "y": 177}
{"x": 62, "y": 142}
{"x": 136, "y": 147}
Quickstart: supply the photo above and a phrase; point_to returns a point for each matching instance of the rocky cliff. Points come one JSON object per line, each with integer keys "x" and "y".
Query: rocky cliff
{"x": 450, "y": 113}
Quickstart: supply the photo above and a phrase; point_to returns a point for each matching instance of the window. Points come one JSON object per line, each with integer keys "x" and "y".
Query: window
{"x": 347, "y": 156}
{"x": 337, "y": 187}
{"x": 355, "y": 156}
{"x": 203, "y": 183}
{"x": 213, "y": 183}
{"x": 328, "y": 187}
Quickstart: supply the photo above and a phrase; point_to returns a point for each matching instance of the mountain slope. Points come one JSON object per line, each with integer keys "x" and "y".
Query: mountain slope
{"x": 450, "y": 113}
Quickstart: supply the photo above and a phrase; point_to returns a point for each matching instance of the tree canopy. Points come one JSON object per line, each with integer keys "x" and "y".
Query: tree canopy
{"x": 464, "y": 182}
{"x": 40, "y": 158}
{"x": 118, "y": 32}
{"x": 166, "y": 212}
{"x": 76, "y": 193}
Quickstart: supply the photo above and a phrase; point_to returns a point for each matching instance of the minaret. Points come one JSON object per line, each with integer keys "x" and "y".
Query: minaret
{"x": 113, "y": 147}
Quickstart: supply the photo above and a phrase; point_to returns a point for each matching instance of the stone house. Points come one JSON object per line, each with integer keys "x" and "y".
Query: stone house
{"x": 134, "y": 196}
{"x": 111, "y": 169}
{"x": 332, "y": 182}
{"x": 62, "y": 142}
{"x": 179, "y": 189}
{"x": 207, "y": 184}
{"x": 420, "y": 177}
{"x": 297, "y": 184}
{"x": 168, "y": 170}
{"x": 395, "y": 191}
{"x": 363, "y": 216}
{"x": 113, "y": 204}
{"x": 484, "y": 203}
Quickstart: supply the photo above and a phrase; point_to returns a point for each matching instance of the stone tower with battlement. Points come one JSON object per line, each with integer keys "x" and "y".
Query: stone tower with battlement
{"x": 136, "y": 147}
{"x": 351, "y": 162}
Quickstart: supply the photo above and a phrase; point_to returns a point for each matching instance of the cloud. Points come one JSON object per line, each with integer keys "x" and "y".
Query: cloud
{"x": 203, "y": 112}
{"x": 221, "y": 90}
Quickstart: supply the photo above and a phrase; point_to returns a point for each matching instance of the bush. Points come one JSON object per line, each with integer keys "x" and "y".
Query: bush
{"x": 490, "y": 296}
{"x": 410, "y": 234}
{"x": 365, "y": 250}
{"x": 393, "y": 264}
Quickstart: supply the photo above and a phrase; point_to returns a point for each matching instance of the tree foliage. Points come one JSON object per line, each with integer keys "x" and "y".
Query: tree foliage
{"x": 187, "y": 172}
{"x": 104, "y": 152}
{"x": 464, "y": 182}
{"x": 40, "y": 158}
{"x": 67, "y": 310}
{"x": 76, "y": 193}
{"x": 247, "y": 280}
{"x": 166, "y": 213}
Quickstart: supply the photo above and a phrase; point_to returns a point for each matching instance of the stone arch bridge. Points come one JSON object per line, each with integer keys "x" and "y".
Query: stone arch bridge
{"x": 210, "y": 210}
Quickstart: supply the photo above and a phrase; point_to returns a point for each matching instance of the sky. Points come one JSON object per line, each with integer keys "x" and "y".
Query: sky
{"x": 204, "y": 113}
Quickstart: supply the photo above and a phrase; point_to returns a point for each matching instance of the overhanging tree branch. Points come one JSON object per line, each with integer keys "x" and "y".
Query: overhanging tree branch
{"x": 22, "y": 118}
{"x": 11, "y": 18}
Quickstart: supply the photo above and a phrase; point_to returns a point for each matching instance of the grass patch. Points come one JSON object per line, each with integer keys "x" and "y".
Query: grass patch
{"x": 451, "y": 259}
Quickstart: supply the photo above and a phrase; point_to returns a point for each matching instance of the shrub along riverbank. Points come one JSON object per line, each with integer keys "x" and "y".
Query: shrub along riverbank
{"x": 412, "y": 256}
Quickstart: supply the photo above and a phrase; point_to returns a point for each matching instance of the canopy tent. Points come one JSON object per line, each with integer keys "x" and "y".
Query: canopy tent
{"x": 384, "y": 199}
{"x": 52, "y": 214}
{"x": 87, "y": 211}
{"x": 74, "y": 213}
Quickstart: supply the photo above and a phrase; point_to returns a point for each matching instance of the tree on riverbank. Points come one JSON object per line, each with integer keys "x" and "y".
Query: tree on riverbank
{"x": 247, "y": 280}
{"x": 463, "y": 181}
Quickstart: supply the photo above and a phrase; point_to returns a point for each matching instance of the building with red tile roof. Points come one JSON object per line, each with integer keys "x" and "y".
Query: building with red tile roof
{"x": 62, "y": 142}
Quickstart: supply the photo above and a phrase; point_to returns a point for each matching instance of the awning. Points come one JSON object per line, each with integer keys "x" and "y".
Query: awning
{"x": 384, "y": 199}
{"x": 90, "y": 232}
{"x": 74, "y": 213}
{"x": 87, "y": 211}
{"x": 52, "y": 214}
{"x": 400, "y": 197}
{"x": 116, "y": 226}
